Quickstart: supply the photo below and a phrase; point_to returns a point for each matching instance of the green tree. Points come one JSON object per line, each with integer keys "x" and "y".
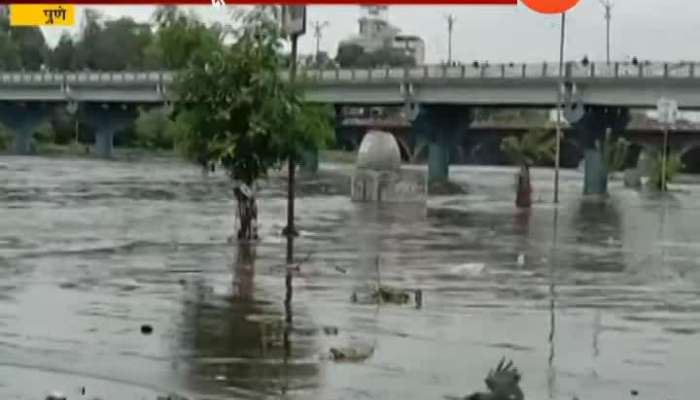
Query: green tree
{"x": 88, "y": 44}
{"x": 64, "y": 126}
{"x": 182, "y": 38}
{"x": 239, "y": 112}
{"x": 103, "y": 45}
{"x": 525, "y": 151}
{"x": 155, "y": 130}
{"x": 63, "y": 57}
{"x": 9, "y": 53}
{"x": 614, "y": 152}
{"x": 348, "y": 55}
{"x": 121, "y": 45}
{"x": 674, "y": 166}
{"x": 351, "y": 55}
{"x": 33, "y": 51}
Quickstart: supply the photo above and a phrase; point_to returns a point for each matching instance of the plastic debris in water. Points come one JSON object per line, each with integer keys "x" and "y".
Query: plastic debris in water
{"x": 351, "y": 354}
{"x": 56, "y": 396}
{"x": 521, "y": 260}
{"x": 468, "y": 269}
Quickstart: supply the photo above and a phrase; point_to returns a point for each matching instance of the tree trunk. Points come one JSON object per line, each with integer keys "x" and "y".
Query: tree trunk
{"x": 247, "y": 213}
{"x": 244, "y": 272}
{"x": 524, "y": 194}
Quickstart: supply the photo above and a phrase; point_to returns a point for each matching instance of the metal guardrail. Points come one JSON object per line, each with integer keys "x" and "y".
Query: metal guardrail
{"x": 428, "y": 72}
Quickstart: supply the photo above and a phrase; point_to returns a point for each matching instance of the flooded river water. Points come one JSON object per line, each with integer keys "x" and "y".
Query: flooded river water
{"x": 606, "y": 302}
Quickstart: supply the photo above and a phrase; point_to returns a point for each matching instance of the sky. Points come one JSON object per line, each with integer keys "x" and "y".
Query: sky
{"x": 667, "y": 30}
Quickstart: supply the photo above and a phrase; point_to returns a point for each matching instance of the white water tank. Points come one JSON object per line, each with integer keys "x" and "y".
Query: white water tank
{"x": 379, "y": 151}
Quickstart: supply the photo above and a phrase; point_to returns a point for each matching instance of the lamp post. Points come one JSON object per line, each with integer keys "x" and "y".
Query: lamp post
{"x": 318, "y": 32}
{"x": 294, "y": 25}
{"x": 450, "y": 24}
{"x": 667, "y": 110}
{"x": 560, "y": 84}
{"x": 607, "y": 4}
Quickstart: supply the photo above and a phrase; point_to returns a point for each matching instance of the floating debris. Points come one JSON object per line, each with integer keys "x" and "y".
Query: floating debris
{"x": 390, "y": 295}
{"x": 341, "y": 269}
{"x": 386, "y": 294}
{"x": 468, "y": 269}
{"x": 330, "y": 330}
{"x": 56, "y": 396}
{"x": 351, "y": 354}
{"x": 503, "y": 384}
{"x": 146, "y": 329}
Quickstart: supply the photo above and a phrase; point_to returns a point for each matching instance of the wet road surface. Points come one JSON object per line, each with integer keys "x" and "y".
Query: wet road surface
{"x": 607, "y": 300}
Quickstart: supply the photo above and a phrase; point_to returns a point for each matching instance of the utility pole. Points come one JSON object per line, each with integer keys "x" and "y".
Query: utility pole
{"x": 450, "y": 24}
{"x": 318, "y": 32}
{"x": 560, "y": 87}
{"x": 607, "y": 4}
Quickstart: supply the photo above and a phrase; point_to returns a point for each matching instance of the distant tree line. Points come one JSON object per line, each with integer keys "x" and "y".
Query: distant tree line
{"x": 125, "y": 44}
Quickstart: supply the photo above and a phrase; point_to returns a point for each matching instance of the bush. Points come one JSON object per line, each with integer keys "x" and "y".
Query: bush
{"x": 155, "y": 130}
{"x": 63, "y": 125}
{"x": 674, "y": 165}
{"x": 44, "y": 133}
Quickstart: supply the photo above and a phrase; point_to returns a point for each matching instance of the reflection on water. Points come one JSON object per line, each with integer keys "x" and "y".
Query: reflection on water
{"x": 588, "y": 298}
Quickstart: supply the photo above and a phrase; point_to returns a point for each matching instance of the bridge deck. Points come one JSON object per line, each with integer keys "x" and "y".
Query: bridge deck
{"x": 529, "y": 85}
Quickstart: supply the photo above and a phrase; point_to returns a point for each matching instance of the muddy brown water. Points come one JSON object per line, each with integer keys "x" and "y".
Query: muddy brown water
{"x": 607, "y": 300}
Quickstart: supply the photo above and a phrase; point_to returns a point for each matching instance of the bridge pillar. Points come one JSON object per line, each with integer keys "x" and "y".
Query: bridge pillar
{"x": 107, "y": 120}
{"x": 592, "y": 129}
{"x": 441, "y": 125}
{"x": 23, "y": 119}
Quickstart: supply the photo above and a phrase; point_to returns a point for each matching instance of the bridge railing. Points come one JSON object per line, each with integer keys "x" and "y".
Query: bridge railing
{"x": 119, "y": 77}
{"x": 505, "y": 71}
{"x": 428, "y": 72}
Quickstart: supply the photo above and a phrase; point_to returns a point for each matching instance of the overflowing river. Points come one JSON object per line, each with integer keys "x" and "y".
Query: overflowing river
{"x": 594, "y": 300}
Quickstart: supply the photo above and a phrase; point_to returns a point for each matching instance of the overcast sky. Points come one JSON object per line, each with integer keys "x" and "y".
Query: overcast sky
{"x": 649, "y": 29}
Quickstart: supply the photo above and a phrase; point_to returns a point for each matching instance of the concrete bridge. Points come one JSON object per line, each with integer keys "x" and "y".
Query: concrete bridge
{"x": 502, "y": 85}
{"x": 597, "y": 97}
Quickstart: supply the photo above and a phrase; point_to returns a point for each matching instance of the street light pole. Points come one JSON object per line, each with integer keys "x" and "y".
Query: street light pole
{"x": 290, "y": 230}
{"x": 560, "y": 84}
{"x": 607, "y": 4}
{"x": 318, "y": 32}
{"x": 450, "y": 25}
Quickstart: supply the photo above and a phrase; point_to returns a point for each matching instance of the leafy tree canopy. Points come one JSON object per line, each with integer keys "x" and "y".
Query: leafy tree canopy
{"x": 182, "y": 38}
{"x": 154, "y": 129}
{"x": 237, "y": 108}
{"x": 351, "y": 55}
{"x": 533, "y": 146}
